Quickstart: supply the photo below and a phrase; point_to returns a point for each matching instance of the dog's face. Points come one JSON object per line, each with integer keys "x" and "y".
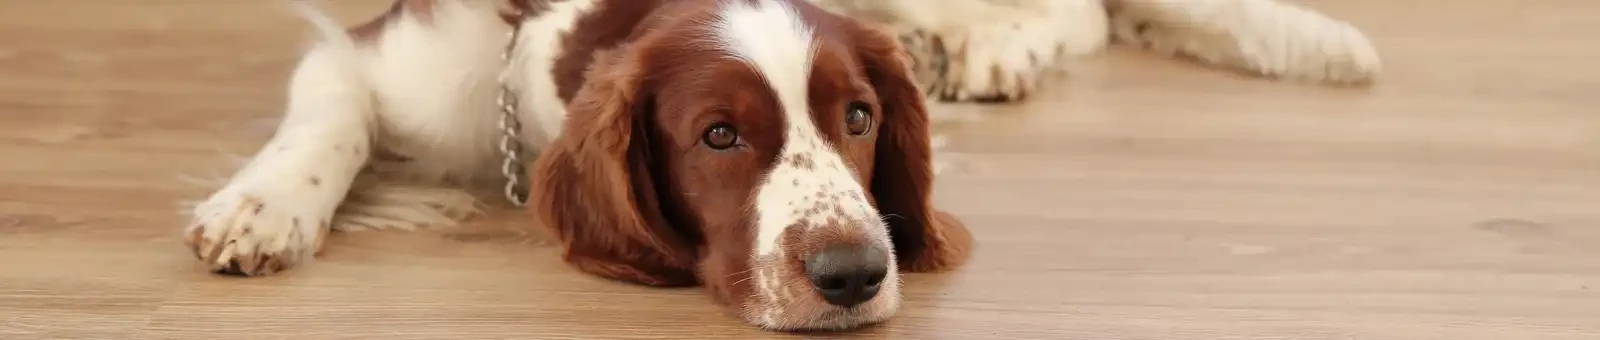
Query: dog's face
{"x": 770, "y": 151}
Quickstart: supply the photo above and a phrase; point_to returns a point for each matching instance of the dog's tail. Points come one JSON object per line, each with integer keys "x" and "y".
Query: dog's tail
{"x": 332, "y": 38}
{"x": 328, "y": 29}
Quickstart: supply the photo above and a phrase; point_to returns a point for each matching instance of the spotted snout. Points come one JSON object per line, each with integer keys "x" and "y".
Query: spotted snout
{"x": 829, "y": 274}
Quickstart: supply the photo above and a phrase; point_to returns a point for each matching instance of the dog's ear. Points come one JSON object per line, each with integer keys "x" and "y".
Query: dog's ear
{"x": 925, "y": 239}
{"x": 592, "y": 186}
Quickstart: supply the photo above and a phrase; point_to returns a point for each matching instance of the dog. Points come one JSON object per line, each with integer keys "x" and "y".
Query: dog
{"x": 774, "y": 152}
{"x": 1002, "y": 50}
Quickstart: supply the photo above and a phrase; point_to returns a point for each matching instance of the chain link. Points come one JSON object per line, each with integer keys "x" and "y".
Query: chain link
{"x": 516, "y": 189}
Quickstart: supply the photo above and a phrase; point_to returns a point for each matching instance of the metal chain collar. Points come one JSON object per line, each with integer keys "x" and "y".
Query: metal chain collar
{"x": 511, "y": 166}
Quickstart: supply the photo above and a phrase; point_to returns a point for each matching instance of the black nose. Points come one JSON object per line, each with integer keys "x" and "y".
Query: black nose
{"x": 848, "y": 275}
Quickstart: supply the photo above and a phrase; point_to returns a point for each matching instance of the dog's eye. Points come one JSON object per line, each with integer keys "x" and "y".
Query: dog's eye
{"x": 720, "y": 136}
{"x": 858, "y": 118}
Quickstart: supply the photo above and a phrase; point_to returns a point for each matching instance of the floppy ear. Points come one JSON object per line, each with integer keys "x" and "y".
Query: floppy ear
{"x": 592, "y": 186}
{"x": 924, "y": 239}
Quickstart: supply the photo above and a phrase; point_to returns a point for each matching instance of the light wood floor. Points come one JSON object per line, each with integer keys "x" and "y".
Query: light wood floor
{"x": 1142, "y": 198}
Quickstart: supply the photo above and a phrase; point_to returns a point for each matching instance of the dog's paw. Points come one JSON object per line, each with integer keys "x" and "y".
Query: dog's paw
{"x": 1269, "y": 39}
{"x": 1342, "y": 55}
{"x": 929, "y": 60}
{"x": 253, "y": 235}
{"x": 995, "y": 62}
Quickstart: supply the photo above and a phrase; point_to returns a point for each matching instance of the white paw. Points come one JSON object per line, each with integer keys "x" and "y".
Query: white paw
{"x": 995, "y": 62}
{"x": 1347, "y": 58}
{"x": 254, "y": 233}
{"x": 928, "y": 57}
{"x": 1268, "y": 39}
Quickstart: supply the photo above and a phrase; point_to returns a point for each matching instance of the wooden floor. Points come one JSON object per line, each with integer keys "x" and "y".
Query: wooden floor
{"x": 1142, "y": 198}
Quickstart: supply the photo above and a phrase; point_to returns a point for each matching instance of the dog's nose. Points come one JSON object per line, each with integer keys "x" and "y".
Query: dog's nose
{"x": 847, "y": 275}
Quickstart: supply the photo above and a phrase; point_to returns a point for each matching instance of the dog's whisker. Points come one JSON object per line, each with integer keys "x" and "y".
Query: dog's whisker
{"x": 885, "y": 218}
{"x": 739, "y": 272}
{"x": 746, "y": 278}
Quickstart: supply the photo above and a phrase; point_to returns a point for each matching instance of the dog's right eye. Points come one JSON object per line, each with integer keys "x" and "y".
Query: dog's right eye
{"x": 858, "y": 118}
{"x": 720, "y": 136}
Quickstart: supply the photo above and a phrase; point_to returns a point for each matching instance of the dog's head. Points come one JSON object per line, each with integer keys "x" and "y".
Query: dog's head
{"x": 771, "y": 151}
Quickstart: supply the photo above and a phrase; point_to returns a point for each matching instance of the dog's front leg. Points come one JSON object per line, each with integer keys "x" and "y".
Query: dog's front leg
{"x": 275, "y": 212}
{"x": 1266, "y": 37}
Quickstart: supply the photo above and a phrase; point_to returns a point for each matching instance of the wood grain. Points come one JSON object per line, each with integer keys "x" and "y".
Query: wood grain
{"x": 1142, "y": 198}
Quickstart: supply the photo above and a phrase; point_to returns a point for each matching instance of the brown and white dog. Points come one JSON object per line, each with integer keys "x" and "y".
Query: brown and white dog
{"x": 776, "y": 153}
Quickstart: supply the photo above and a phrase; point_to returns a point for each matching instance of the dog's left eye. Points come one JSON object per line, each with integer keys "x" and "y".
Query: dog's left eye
{"x": 720, "y": 136}
{"x": 858, "y": 118}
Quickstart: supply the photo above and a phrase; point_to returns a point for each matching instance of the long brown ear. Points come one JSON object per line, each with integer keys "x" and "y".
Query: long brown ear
{"x": 925, "y": 239}
{"x": 592, "y": 186}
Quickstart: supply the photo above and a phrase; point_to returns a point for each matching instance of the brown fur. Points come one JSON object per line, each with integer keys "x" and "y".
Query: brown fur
{"x": 923, "y": 240}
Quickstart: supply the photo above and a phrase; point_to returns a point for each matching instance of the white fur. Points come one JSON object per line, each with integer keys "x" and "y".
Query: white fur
{"x": 772, "y": 40}
{"x": 435, "y": 85}
{"x": 538, "y": 46}
{"x": 1261, "y": 36}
